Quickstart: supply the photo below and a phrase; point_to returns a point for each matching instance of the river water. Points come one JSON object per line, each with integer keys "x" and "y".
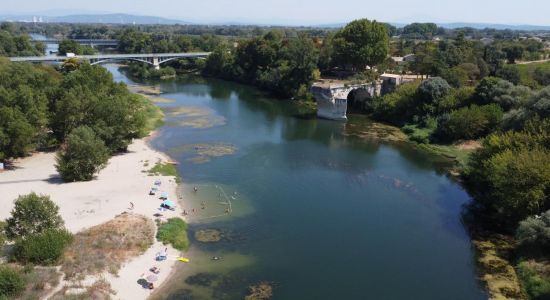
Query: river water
{"x": 306, "y": 207}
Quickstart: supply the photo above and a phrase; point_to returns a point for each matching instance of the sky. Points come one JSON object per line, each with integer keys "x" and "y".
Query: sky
{"x": 300, "y": 12}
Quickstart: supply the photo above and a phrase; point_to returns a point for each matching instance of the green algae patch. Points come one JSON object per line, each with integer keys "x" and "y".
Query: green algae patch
{"x": 260, "y": 291}
{"x": 208, "y": 235}
{"x": 202, "y": 122}
{"x": 188, "y": 111}
{"x": 370, "y": 130}
{"x": 155, "y": 99}
{"x": 204, "y": 152}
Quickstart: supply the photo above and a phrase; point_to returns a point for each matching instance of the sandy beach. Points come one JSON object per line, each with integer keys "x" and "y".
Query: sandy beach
{"x": 86, "y": 204}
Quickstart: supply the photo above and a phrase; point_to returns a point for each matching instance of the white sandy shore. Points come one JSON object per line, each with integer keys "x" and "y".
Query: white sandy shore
{"x": 86, "y": 204}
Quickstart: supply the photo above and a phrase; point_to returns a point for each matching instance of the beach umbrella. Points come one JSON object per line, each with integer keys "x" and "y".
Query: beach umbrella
{"x": 169, "y": 203}
{"x": 164, "y": 195}
{"x": 152, "y": 278}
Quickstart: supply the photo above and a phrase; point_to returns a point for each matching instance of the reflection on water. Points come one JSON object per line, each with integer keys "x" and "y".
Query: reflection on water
{"x": 317, "y": 209}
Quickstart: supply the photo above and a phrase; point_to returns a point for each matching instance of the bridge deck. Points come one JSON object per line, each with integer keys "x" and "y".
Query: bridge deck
{"x": 110, "y": 56}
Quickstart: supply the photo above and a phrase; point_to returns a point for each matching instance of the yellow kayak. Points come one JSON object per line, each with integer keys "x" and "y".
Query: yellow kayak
{"x": 183, "y": 259}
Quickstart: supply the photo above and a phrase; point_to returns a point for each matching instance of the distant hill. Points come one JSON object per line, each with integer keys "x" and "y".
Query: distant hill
{"x": 135, "y": 19}
{"x": 462, "y": 25}
{"x": 495, "y": 26}
{"x": 96, "y": 18}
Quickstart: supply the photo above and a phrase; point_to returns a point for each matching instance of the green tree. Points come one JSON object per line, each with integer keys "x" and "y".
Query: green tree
{"x": 361, "y": 43}
{"x": 430, "y": 94}
{"x": 16, "y": 134}
{"x": 509, "y": 73}
{"x": 535, "y": 231}
{"x": 397, "y": 107}
{"x": 513, "y": 52}
{"x": 509, "y": 176}
{"x": 84, "y": 155}
{"x": 542, "y": 75}
{"x": 219, "y": 62}
{"x": 32, "y": 214}
{"x": 69, "y": 46}
{"x": 469, "y": 122}
{"x": 501, "y": 92}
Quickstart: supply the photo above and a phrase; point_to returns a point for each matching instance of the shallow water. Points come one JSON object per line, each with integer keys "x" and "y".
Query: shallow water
{"x": 317, "y": 212}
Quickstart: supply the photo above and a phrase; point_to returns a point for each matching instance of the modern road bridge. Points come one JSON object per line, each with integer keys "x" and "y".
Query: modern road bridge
{"x": 154, "y": 59}
{"x": 86, "y": 42}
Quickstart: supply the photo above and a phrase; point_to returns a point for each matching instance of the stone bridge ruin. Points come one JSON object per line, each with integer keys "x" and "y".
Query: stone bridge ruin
{"x": 332, "y": 98}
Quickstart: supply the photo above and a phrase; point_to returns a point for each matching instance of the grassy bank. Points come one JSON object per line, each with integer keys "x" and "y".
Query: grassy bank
{"x": 527, "y": 73}
{"x": 165, "y": 169}
{"x": 154, "y": 115}
{"x": 174, "y": 232}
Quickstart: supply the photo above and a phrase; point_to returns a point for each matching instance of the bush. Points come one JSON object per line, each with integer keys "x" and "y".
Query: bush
{"x": 45, "y": 248}
{"x": 433, "y": 89}
{"x": 85, "y": 154}
{"x": 11, "y": 282}
{"x": 542, "y": 75}
{"x": 535, "y": 285}
{"x": 469, "y": 122}
{"x": 32, "y": 214}
{"x": 509, "y": 73}
{"x": 502, "y": 92}
{"x": 397, "y": 107}
{"x": 510, "y": 177}
{"x": 174, "y": 232}
{"x": 535, "y": 231}
{"x": 458, "y": 98}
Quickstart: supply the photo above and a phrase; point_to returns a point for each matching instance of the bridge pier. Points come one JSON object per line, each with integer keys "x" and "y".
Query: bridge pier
{"x": 156, "y": 63}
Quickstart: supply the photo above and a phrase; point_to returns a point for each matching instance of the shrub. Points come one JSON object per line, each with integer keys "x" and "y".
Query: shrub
{"x": 85, "y": 154}
{"x": 510, "y": 183}
{"x": 509, "y": 73}
{"x": 32, "y": 214}
{"x": 502, "y": 92}
{"x": 174, "y": 232}
{"x": 542, "y": 75}
{"x": 45, "y": 248}
{"x": 397, "y": 107}
{"x": 458, "y": 98}
{"x": 535, "y": 231}
{"x": 535, "y": 285}
{"x": 11, "y": 282}
{"x": 469, "y": 122}
{"x": 433, "y": 89}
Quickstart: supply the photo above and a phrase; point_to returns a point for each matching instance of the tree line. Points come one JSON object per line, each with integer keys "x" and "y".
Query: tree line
{"x": 79, "y": 108}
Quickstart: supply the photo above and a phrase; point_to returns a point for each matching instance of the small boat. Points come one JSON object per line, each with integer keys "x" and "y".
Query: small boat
{"x": 183, "y": 259}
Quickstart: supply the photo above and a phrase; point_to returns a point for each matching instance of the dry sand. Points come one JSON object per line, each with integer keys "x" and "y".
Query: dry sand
{"x": 86, "y": 204}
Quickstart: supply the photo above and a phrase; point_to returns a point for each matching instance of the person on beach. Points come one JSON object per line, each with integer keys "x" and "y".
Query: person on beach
{"x": 195, "y": 189}
{"x": 131, "y": 205}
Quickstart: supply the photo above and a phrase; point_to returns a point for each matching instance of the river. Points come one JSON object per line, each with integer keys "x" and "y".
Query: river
{"x": 305, "y": 206}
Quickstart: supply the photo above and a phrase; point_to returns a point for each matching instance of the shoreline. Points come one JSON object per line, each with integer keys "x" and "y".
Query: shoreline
{"x": 86, "y": 204}
{"x": 125, "y": 182}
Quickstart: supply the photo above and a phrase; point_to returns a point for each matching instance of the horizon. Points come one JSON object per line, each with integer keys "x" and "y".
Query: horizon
{"x": 285, "y": 12}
